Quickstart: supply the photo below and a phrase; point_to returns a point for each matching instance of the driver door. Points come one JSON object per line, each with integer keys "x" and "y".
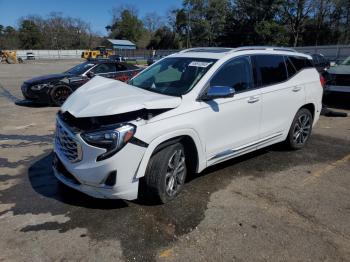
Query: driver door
{"x": 231, "y": 125}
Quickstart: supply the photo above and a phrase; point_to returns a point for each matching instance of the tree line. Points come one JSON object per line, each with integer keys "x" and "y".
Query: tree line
{"x": 196, "y": 23}
{"x": 54, "y": 32}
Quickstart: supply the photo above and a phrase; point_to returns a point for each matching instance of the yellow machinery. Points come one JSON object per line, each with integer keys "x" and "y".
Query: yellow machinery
{"x": 98, "y": 52}
{"x": 10, "y": 57}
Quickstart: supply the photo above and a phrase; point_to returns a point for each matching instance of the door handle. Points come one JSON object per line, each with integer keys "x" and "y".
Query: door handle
{"x": 253, "y": 99}
{"x": 296, "y": 89}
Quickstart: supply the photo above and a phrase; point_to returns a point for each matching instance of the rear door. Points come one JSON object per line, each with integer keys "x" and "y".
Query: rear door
{"x": 281, "y": 95}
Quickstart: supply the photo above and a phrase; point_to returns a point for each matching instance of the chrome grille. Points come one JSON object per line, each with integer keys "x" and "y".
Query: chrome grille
{"x": 66, "y": 143}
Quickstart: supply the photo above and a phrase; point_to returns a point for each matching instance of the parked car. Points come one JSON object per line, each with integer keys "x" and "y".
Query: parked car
{"x": 338, "y": 78}
{"x": 321, "y": 62}
{"x": 30, "y": 56}
{"x": 189, "y": 111}
{"x": 55, "y": 89}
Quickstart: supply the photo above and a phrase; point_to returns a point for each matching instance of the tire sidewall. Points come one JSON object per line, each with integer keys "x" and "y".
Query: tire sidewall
{"x": 290, "y": 139}
{"x": 162, "y": 170}
{"x": 52, "y": 92}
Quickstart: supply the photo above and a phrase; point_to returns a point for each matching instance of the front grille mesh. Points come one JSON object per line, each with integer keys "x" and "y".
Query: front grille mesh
{"x": 66, "y": 144}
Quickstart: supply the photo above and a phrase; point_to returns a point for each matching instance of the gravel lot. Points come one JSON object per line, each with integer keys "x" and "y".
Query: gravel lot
{"x": 272, "y": 205}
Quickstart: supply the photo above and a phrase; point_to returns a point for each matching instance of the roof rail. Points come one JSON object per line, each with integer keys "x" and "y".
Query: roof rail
{"x": 207, "y": 49}
{"x": 232, "y": 50}
{"x": 276, "y": 48}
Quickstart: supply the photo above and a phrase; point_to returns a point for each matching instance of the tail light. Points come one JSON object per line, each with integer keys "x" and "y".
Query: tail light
{"x": 323, "y": 81}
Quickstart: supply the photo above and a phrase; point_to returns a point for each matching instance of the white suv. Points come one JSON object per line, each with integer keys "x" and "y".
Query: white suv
{"x": 188, "y": 111}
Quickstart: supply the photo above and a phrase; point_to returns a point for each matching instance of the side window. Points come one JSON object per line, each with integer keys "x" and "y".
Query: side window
{"x": 121, "y": 67}
{"x": 300, "y": 62}
{"x": 271, "y": 68}
{"x": 236, "y": 73}
{"x": 290, "y": 67}
{"x": 104, "y": 68}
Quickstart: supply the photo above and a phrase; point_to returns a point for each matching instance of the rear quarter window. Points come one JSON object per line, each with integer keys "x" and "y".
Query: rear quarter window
{"x": 300, "y": 63}
{"x": 290, "y": 67}
{"x": 271, "y": 69}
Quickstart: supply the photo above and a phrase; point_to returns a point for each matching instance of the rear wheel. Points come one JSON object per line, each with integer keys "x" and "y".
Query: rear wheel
{"x": 59, "y": 94}
{"x": 166, "y": 173}
{"x": 300, "y": 130}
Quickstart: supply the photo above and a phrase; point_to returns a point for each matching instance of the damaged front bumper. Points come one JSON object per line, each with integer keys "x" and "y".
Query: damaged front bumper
{"x": 114, "y": 177}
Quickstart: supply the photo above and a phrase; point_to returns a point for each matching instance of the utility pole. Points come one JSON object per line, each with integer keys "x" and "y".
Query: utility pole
{"x": 188, "y": 43}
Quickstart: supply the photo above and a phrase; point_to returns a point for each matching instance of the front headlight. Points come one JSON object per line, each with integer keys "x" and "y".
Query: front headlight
{"x": 39, "y": 86}
{"x": 112, "y": 138}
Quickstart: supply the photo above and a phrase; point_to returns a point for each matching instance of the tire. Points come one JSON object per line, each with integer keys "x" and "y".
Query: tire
{"x": 20, "y": 60}
{"x": 300, "y": 130}
{"x": 59, "y": 94}
{"x": 166, "y": 173}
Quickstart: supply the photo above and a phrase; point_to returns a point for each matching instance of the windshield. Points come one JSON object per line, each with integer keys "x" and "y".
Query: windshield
{"x": 346, "y": 61}
{"x": 173, "y": 76}
{"x": 80, "y": 69}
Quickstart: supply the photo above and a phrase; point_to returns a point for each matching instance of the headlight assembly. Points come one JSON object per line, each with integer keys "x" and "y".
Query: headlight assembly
{"x": 112, "y": 138}
{"x": 39, "y": 86}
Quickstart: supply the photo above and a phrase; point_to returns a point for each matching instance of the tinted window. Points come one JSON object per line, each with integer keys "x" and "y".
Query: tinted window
{"x": 321, "y": 59}
{"x": 315, "y": 58}
{"x": 271, "y": 69}
{"x": 121, "y": 67}
{"x": 236, "y": 73}
{"x": 104, "y": 68}
{"x": 290, "y": 67}
{"x": 80, "y": 69}
{"x": 300, "y": 62}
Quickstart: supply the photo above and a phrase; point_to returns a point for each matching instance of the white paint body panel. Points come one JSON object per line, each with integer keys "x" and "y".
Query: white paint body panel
{"x": 102, "y": 96}
{"x": 215, "y": 127}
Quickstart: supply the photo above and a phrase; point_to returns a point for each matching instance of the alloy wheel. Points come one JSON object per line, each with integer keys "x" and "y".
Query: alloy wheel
{"x": 61, "y": 94}
{"x": 302, "y": 129}
{"x": 176, "y": 172}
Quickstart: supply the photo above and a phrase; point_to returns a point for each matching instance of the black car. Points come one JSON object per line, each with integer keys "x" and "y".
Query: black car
{"x": 338, "y": 78}
{"x": 54, "y": 89}
{"x": 321, "y": 63}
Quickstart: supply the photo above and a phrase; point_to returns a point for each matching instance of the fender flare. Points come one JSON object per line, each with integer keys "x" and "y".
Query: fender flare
{"x": 157, "y": 141}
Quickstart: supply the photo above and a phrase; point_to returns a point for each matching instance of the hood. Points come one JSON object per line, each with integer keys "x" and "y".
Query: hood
{"x": 339, "y": 70}
{"x": 102, "y": 96}
{"x": 46, "y": 78}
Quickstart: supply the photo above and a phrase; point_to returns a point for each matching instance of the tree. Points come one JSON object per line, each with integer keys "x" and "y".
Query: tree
{"x": 152, "y": 21}
{"x": 30, "y": 35}
{"x": 164, "y": 38}
{"x": 295, "y": 14}
{"x": 126, "y": 25}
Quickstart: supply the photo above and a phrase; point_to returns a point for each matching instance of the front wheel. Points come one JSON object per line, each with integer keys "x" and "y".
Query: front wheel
{"x": 59, "y": 94}
{"x": 166, "y": 172}
{"x": 300, "y": 130}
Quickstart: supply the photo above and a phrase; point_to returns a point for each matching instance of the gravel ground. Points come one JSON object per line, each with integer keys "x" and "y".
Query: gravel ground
{"x": 271, "y": 205}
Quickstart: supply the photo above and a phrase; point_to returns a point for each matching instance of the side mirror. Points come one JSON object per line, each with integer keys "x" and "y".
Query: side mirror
{"x": 90, "y": 74}
{"x": 214, "y": 92}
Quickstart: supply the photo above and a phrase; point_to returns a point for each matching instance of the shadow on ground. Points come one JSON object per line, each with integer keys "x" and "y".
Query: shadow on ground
{"x": 142, "y": 228}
